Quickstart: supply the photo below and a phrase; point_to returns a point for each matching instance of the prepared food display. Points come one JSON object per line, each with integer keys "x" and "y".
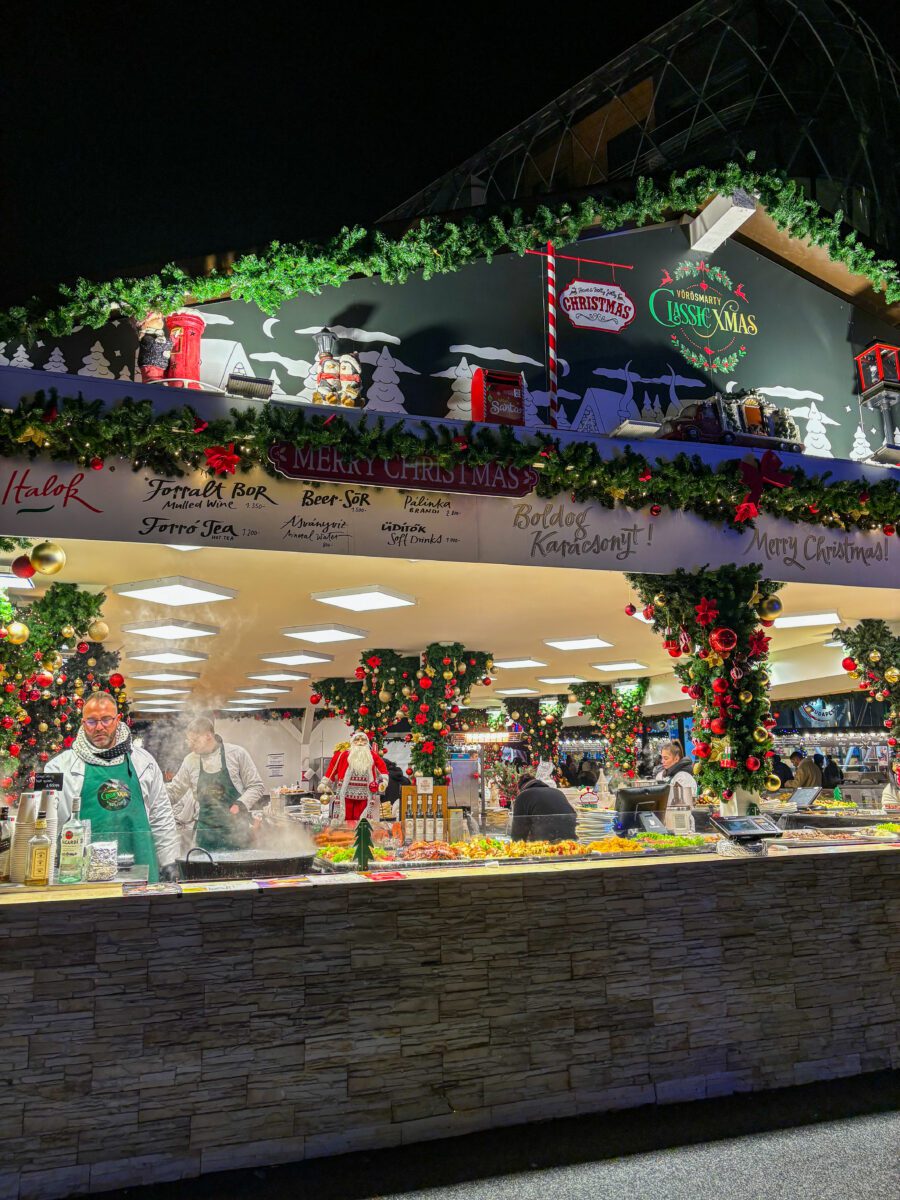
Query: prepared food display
{"x": 833, "y": 804}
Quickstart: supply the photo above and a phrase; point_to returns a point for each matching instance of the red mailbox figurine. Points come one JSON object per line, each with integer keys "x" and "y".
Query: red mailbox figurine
{"x": 498, "y": 397}
{"x": 186, "y": 330}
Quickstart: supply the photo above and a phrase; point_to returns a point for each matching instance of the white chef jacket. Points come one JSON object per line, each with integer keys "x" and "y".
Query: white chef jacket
{"x": 183, "y": 787}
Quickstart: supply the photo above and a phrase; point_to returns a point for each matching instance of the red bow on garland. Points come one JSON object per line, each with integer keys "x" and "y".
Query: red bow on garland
{"x": 221, "y": 460}
{"x": 755, "y": 476}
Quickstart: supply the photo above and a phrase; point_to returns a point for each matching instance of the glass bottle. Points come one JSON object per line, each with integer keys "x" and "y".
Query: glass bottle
{"x": 37, "y": 872}
{"x": 5, "y": 842}
{"x": 71, "y": 847}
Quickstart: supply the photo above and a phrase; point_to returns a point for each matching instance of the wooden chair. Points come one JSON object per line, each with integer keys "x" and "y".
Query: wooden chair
{"x": 423, "y": 810}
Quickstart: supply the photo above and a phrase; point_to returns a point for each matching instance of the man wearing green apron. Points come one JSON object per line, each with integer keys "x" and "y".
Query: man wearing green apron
{"x": 121, "y": 788}
{"x": 214, "y": 791}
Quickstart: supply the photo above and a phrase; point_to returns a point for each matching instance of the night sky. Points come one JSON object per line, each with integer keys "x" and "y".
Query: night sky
{"x": 140, "y": 134}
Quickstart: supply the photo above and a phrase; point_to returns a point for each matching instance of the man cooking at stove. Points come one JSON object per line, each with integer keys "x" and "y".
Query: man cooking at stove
{"x": 121, "y": 789}
{"x": 361, "y": 776}
{"x": 214, "y": 791}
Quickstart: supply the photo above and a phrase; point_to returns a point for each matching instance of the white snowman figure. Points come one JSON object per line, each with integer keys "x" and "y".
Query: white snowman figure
{"x": 350, "y": 380}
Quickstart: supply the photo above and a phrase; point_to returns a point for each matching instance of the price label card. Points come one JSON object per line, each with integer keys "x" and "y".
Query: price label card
{"x": 48, "y": 781}
{"x": 424, "y": 785}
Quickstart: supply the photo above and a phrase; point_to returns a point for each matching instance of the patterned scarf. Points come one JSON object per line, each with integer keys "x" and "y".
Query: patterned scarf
{"x": 100, "y": 758}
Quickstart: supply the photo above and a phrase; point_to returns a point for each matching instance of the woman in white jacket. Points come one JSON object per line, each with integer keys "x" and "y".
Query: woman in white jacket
{"x": 214, "y": 791}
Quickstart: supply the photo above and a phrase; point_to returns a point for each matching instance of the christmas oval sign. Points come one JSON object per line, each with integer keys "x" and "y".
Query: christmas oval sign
{"x": 602, "y": 306}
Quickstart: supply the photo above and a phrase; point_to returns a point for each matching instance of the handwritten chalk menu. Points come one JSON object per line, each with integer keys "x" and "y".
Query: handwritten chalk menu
{"x": 259, "y": 512}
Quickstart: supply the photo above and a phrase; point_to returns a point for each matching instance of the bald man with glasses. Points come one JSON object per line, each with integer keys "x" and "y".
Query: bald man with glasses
{"x": 121, "y": 789}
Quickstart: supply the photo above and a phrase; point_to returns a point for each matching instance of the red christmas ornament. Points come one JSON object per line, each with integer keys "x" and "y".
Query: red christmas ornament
{"x": 727, "y": 793}
{"x": 655, "y": 510}
{"x": 67, "y": 741}
{"x": 674, "y": 652}
{"x": 43, "y": 756}
{"x": 648, "y": 612}
{"x": 425, "y": 683}
{"x": 424, "y": 707}
{"x": 646, "y": 475}
{"x": 22, "y": 568}
{"x": 720, "y": 685}
{"x": 373, "y": 787}
{"x": 864, "y": 497}
{"x": 723, "y": 640}
{"x": 363, "y": 710}
{"x": 630, "y": 610}
{"x": 702, "y": 749}
{"x": 7, "y": 722}
{"x": 115, "y": 679}
{"x": 15, "y": 749}
{"x": 96, "y": 464}
{"x": 486, "y": 681}
{"x": 718, "y": 725}
{"x": 752, "y": 763}
{"x": 849, "y": 664}
{"x": 695, "y": 691}
{"x": 82, "y": 647}
{"x": 428, "y": 747}
{"x": 813, "y": 508}
{"x": 892, "y": 741}
{"x": 43, "y": 680}
{"x": 360, "y": 673}
{"x": 889, "y": 530}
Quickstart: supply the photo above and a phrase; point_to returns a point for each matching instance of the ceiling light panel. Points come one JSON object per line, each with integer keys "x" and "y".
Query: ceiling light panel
{"x": 364, "y": 599}
{"x": 174, "y": 591}
{"x": 169, "y": 656}
{"x": 518, "y": 692}
{"x": 183, "y": 549}
{"x": 301, "y": 658}
{"x": 8, "y": 580}
{"x": 171, "y": 631}
{"x": 804, "y": 619}
{"x": 585, "y": 643}
{"x": 321, "y": 635}
{"x": 562, "y": 679}
{"x": 280, "y": 676}
{"x": 265, "y": 691}
{"x": 513, "y": 664}
{"x": 164, "y": 676}
{"x": 161, "y": 692}
{"x": 620, "y": 666}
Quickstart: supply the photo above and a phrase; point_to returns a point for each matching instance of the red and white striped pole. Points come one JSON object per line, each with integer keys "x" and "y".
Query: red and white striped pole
{"x": 551, "y": 336}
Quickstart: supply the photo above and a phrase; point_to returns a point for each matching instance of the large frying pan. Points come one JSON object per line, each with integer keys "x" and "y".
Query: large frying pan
{"x": 240, "y": 864}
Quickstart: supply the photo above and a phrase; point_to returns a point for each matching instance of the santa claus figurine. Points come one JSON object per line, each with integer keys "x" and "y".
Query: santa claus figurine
{"x": 360, "y": 776}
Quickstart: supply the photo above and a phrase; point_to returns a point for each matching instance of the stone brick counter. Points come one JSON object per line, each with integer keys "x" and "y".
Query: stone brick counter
{"x": 153, "y": 1038}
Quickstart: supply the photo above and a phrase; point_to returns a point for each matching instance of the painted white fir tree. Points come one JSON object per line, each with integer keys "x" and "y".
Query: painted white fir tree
{"x": 309, "y": 383}
{"x": 20, "y": 359}
{"x": 125, "y": 374}
{"x": 530, "y": 408}
{"x": 459, "y": 407}
{"x": 96, "y": 364}
{"x": 815, "y": 439}
{"x": 657, "y": 411}
{"x": 861, "y": 449}
{"x": 277, "y": 389}
{"x": 384, "y": 394}
{"x": 4, "y": 361}
{"x": 56, "y": 363}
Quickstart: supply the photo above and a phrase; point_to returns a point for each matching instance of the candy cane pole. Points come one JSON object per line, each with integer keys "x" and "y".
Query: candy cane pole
{"x": 551, "y": 335}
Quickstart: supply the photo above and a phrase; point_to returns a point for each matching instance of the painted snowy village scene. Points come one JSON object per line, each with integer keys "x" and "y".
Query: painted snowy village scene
{"x": 414, "y": 350}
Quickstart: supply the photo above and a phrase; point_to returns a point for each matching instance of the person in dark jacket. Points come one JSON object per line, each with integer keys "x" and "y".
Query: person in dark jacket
{"x": 832, "y": 775}
{"x": 396, "y": 780}
{"x": 780, "y": 768}
{"x": 541, "y": 813}
{"x": 587, "y": 775}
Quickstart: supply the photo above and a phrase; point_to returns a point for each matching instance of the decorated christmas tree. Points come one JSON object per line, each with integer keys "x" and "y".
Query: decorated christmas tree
{"x": 539, "y": 720}
{"x": 48, "y": 674}
{"x": 96, "y": 364}
{"x": 363, "y": 845}
{"x": 56, "y": 363}
{"x": 616, "y": 713}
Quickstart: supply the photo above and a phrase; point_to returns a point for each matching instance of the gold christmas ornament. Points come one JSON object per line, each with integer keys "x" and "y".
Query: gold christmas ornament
{"x": 17, "y": 632}
{"x": 745, "y": 697}
{"x": 874, "y": 656}
{"x": 769, "y": 608}
{"x": 892, "y": 675}
{"x": 773, "y": 783}
{"x": 698, "y": 767}
{"x": 438, "y": 725}
{"x": 98, "y": 631}
{"x": 659, "y": 600}
{"x": 515, "y": 716}
{"x": 465, "y": 726}
{"x": 43, "y": 727}
{"x": 45, "y": 695}
{"x": 384, "y": 696}
{"x": 763, "y": 679}
{"x": 447, "y": 674}
{"x": 92, "y": 662}
{"x": 760, "y": 735}
{"x": 855, "y": 674}
{"x": 406, "y": 691}
{"x": 48, "y": 558}
{"x": 869, "y": 697}
{"x": 68, "y": 631}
